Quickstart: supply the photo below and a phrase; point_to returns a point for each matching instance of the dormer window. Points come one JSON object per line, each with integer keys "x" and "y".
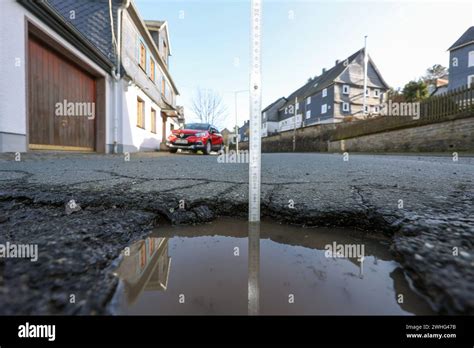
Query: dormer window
{"x": 455, "y": 62}
{"x": 165, "y": 52}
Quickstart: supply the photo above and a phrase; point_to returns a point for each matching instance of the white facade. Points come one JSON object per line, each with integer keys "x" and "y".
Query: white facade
{"x": 269, "y": 128}
{"x": 13, "y": 70}
{"x": 121, "y": 133}
{"x": 289, "y": 123}
{"x": 133, "y": 137}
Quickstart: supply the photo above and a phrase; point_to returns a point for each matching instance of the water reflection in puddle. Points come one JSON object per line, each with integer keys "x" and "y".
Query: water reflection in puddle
{"x": 229, "y": 267}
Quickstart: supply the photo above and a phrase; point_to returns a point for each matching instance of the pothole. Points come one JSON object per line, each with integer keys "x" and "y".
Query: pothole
{"x": 231, "y": 267}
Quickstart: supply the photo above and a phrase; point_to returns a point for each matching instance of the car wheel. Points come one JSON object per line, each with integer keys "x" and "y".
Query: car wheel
{"x": 173, "y": 150}
{"x": 208, "y": 148}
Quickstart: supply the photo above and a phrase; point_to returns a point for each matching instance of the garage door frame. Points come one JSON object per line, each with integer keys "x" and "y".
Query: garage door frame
{"x": 100, "y": 79}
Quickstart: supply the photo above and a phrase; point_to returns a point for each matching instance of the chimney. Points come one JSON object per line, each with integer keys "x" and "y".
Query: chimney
{"x": 337, "y": 61}
{"x": 324, "y": 70}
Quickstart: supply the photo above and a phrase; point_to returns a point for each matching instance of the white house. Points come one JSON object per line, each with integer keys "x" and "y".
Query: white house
{"x": 84, "y": 76}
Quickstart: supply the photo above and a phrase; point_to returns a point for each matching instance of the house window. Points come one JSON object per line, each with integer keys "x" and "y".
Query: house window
{"x": 297, "y": 106}
{"x": 471, "y": 59}
{"x": 366, "y": 109}
{"x": 324, "y": 108}
{"x": 140, "y": 113}
{"x": 376, "y": 109}
{"x": 325, "y": 92}
{"x": 142, "y": 56}
{"x": 152, "y": 70}
{"x": 367, "y": 92}
{"x": 470, "y": 80}
{"x": 165, "y": 52}
{"x": 308, "y": 114}
{"x": 455, "y": 62}
{"x": 345, "y": 89}
{"x": 264, "y": 115}
{"x": 153, "y": 120}
{"x": 376, "y": 93}
{"x": 345, "y": 107}
{"x": 308, "y": 101}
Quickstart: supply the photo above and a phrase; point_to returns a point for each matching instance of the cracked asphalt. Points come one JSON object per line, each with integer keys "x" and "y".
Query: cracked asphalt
{"x": 424, "y": 203}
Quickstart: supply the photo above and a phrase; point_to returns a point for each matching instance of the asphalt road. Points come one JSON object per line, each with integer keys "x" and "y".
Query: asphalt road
{"x": 426, "y": 203}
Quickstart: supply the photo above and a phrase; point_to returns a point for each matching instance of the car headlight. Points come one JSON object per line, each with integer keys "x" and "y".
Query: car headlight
{"x": 201, "y": 134}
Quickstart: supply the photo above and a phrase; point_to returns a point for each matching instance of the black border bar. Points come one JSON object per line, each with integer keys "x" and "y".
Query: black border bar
{"x": 140, "y": 330}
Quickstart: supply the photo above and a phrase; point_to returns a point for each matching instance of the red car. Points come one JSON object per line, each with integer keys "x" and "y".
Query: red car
{"x": 195, "y": 137}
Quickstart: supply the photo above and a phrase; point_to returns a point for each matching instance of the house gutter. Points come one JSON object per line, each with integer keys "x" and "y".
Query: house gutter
{"x": 116, "y": 72}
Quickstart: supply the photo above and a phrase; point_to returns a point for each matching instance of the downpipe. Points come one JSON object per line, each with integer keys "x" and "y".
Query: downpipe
{"x": 117, "y": 74}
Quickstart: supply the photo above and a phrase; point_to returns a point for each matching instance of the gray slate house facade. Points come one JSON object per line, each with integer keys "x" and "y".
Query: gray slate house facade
{"x": 461, "y": 61}
{"x": 244, "y": 131}
{"x": 270, "y": 117}
{"x": 333, "y": 95}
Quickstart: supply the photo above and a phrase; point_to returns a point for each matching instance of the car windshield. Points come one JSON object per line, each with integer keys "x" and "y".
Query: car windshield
{"x": 200, "y": 126}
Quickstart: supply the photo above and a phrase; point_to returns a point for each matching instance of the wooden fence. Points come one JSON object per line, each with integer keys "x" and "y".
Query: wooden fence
{"x": 458, "y": 103}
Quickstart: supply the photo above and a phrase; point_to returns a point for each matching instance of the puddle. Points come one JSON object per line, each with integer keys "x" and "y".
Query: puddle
{"x": 227, "y": 267}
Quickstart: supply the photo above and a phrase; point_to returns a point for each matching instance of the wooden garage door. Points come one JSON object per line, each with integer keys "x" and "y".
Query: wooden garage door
{"x": 61, "y": 101}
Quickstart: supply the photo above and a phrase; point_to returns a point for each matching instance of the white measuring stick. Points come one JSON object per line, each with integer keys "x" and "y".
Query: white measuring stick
{"x": 254, "y": 269}
{"x": 255, "y": 111}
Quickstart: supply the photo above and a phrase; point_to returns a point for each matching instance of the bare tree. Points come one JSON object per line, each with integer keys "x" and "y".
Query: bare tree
{"x": 433, "y": 73}
{"x": 208, "y": 106}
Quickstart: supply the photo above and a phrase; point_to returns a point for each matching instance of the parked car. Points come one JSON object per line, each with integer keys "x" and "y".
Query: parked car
{"x": 195, "y": 137}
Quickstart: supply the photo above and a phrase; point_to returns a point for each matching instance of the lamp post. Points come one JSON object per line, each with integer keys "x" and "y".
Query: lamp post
{"x": 366, "y": 59}
{"x": 236, "y": 121}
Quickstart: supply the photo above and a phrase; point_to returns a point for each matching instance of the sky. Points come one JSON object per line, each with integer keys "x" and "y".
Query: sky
{"x": 210, "y": 42}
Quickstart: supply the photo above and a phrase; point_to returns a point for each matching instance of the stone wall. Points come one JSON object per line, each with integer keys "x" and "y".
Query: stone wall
{"x": 456, "y": 135}
{"x": 308, "y": 139}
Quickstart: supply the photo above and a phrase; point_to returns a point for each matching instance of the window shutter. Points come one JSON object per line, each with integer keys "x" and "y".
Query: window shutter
{"x": 137, "y": 50}
{"x": 147, "y": 63}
